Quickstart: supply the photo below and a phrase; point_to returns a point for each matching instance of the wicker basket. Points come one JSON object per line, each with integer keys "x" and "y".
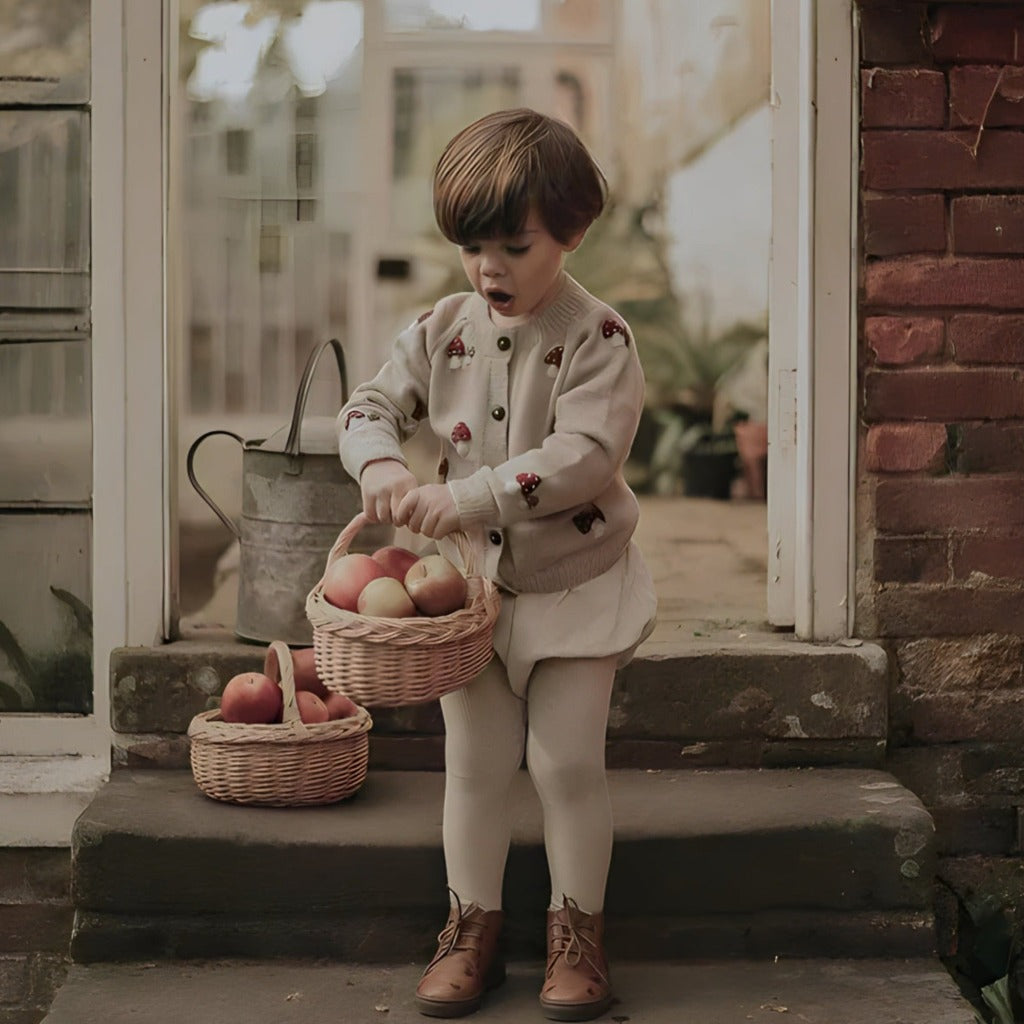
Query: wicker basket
{"x": 385, "y": 662}
{"x": 284, "y": 765}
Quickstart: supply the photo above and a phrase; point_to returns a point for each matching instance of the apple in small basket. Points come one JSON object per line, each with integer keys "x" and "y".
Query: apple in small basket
{"x": 340, "y": 706}
{"x": 312, "y": 710}
{"x": 304, "y": 668}
{"x": 252, "y": 698}
{"x": 346, "y": 576}
{"x": 396, "y": 560}
{"x": 436, "y": 586}
{"x": 385, "y": 597}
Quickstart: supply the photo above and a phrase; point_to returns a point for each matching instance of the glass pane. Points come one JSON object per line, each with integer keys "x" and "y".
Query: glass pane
{"x": 431, "y": 105}
{"x": 45, "y": 422}
{"x": 465, "y": 15}
{"x": 271, "y": 118}
{"x": 45, "y": 619}
{"x": 575, "y": 20}
{"x": 586, "y": 21}
{"x": 44, "y": 54}
{"x": 44, "y": 209}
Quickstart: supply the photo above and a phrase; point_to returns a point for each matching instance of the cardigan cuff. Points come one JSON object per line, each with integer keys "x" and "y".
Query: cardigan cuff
{"x": 357, "y": 454}
{"x": 473, "y": 501}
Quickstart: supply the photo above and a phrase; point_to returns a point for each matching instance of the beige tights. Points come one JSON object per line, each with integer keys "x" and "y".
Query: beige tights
{"x": 562, "y": 724}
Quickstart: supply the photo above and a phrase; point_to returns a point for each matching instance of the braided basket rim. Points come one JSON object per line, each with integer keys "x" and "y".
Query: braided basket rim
{"x": 480, "y": 612}
{"x": 210, "y": 727}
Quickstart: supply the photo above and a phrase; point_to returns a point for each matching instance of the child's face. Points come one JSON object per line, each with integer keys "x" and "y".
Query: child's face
{"x": 516, "y": 275}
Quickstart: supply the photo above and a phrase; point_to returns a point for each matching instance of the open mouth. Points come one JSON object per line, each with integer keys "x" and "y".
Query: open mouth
{"x": 500, "y": 300}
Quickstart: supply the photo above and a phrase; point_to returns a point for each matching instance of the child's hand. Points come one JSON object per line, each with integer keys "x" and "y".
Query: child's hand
{"x": 429, "y": 510}
{"x": 384, "y": 484}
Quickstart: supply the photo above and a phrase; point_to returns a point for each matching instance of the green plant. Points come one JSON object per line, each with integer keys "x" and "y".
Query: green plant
{"x": 988, "y": 965}
{"x": 685, "y": 361}
{"x": 59, "y": 682}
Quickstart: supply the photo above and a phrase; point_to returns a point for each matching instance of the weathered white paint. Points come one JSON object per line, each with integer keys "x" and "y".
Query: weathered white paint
{"x": 833, "y": 436}
{"x": 812, "y": 319}
{"x": 40, "y": 797}
{"x": 144, "y": 131}
{"x": 789, "y": 284}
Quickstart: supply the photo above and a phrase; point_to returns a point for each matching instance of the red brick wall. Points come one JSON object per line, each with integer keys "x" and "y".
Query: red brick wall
{"x": 942, "y": 314}
{"x": 941, "y": 459}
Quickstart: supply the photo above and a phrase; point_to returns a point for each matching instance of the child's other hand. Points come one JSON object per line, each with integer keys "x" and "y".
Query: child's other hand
{"x": 429, "y": 510}
{"x": 383, "y": 485}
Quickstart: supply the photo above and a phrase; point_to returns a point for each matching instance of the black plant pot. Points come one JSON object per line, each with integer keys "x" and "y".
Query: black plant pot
{"x": 710, "y": 467}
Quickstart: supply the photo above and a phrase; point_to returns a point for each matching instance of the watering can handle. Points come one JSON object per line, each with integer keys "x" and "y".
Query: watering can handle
{"x": 195, "y": 483}
{"x": 292, "y": 444}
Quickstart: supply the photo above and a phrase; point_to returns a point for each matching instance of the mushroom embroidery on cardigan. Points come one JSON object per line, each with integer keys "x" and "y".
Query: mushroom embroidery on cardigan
{"x": 461, "y": 438}
{"x": 526, "y": 484}
{"x": 553, "y": 360}
{"x": 442, "y": 471}
{"x": 591, "y": 518}
{"x": 457, "y": 353}
{"x": 354, "y": 414}
{"x": 612, "y": 327}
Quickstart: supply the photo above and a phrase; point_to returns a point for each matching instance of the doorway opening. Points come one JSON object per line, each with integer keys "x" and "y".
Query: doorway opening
{"x": 307, "y": 140}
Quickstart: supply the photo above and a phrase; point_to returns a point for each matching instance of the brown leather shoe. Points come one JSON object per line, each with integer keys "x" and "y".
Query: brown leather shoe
{"x": 465, "y": 965}
{"x": 576, "y": 985}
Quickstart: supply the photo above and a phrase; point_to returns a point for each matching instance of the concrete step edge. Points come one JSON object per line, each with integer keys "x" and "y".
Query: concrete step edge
{"x": 686, "y": 842}
{"x": 814, "y": 991}
{"x": 410, "y": 935}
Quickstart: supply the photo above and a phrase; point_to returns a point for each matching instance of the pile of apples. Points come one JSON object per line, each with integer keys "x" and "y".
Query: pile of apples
{"x": 395, "y": 583}
{"x": 255, "y": 699}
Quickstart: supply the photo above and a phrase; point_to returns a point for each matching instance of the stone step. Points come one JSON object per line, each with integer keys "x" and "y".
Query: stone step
{"x": 725, "y": 862}
{"x": 727, "y": 699}
{"x": 731, "y": 992}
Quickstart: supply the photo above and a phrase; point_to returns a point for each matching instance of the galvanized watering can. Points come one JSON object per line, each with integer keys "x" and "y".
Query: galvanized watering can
{"x": 296, "y": 499}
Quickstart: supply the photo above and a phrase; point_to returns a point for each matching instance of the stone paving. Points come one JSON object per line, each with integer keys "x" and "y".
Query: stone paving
{"x": 708, "y": 558}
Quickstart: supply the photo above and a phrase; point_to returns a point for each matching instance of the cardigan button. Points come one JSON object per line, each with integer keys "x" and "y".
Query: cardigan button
{"x": 495, "y": 537}
{"x": 498, "y": 413}
{"x": 504, "y": 344}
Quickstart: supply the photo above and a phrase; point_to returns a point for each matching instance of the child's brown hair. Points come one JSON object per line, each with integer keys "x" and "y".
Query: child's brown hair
{"x": 496, "y": 169}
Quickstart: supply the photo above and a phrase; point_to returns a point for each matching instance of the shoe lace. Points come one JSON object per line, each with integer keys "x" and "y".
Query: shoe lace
{"x": 573, "y": 940}
{"x": 463, "y": 932}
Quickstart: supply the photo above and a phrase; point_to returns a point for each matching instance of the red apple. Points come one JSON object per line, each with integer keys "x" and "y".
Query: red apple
{"x": 346, "y": 577}
{"x": 395, "y": 560}
{"x": 436, "y": 586}
{"x": 312, "y": 709}
{"x": 304, "y": 668}
{"x": 385, "y": 597}
{"x": 340, "y": 706}
{"x": 251, "y": 697}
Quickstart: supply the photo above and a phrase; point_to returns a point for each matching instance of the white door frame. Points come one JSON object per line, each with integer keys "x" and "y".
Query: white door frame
{"x": 812, "y": 310}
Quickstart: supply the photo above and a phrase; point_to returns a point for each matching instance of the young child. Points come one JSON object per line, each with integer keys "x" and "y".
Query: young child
{"x": 534, "y": 391}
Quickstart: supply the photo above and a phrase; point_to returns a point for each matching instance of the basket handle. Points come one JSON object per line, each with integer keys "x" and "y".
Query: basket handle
{"x": 467, "y": 552}
{"x": 278, "y": 665}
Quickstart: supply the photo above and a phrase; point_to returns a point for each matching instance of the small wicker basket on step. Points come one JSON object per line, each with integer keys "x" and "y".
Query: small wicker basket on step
{"x": 289, "y": 764}
{"x": 397, "y": 662}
